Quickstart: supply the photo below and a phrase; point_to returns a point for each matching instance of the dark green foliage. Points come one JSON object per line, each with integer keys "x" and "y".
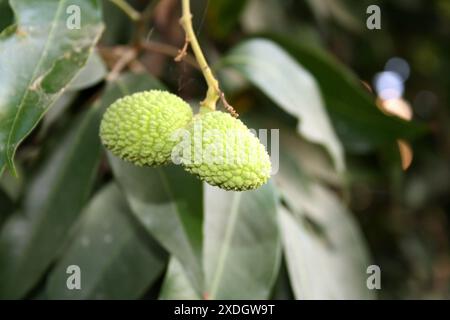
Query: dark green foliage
{"x": 338, "y": 202}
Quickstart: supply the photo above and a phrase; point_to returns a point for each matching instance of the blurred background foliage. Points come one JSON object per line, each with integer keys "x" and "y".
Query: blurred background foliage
{"x": 363, "y": 178}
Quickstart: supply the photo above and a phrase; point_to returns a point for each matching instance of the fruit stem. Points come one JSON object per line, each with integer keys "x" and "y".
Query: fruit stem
{"x": 213, "y": 93}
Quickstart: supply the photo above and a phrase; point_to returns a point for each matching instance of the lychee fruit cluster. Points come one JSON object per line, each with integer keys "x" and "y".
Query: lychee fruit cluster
{"x": 138, "y": 127}
{"x": 219, "y": 149}
{"x": 225, "y": 153}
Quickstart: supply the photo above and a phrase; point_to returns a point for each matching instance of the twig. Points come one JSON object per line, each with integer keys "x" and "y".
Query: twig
{"x": 182, "y": 52}
{"x": 124, "y": 60}
{"x": 227, "y": 106}
{"x": 168, "y": 50}
{"x": 214, "y": 93}
{"x": 127, "y": 9}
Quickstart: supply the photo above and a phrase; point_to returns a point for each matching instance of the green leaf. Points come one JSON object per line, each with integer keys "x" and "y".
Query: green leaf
{"x": 56, "y": 111}
{"x": 176, "y": 285}
{"x": 12, "y": 186}
{"x": 223, "y": 15}
{"x": 242, "y": 246}
{"x": 118, "y": 29}
{"x": 39, "y": 56}
{"x": 92, "y": 73}
{"x": 319, "y": 270}
{"x": 311, "y": 158}
{"x": 289, "y": 85}
{"x": 30, "y": 239}
{"x": 168, "y": 202}
{"x": 6, "y": 15}
{"x": 241, "y": 254}
{"x": 325, "y": 253}
{"x": 115, "y": 261}
{"x": 6, "y": 206}
{"x": 282, "y": 289}
{"x": 358, "y": 121}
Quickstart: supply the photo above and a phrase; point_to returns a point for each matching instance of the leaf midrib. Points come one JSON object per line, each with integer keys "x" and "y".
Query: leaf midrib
{"x": 220, "y": 267}
{"x": 9, "y": 152}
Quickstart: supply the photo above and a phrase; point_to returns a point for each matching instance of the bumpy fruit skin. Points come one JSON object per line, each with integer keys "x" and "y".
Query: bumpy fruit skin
{"x": 223, "y": 152}
{"x": 138, "y": 128}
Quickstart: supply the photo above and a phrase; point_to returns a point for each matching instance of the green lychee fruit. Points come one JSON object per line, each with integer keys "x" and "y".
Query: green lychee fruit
{"x": 223, "y": 152}
{"x": 138, "y": 128}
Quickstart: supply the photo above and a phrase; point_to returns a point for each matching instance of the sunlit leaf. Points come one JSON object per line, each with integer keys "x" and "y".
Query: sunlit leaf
{"x": 39, "y": 56}
{"x": 241, "y": 254}
{"x": 325, "y": 253}
{"x": 289, "y": 85}
{"x": 359, "y": 123}
{"x": 313, "y": 159}
{"x": 92, "y": 73}
{"x": 320, "y": 270}
{"x": 176, "y": 285}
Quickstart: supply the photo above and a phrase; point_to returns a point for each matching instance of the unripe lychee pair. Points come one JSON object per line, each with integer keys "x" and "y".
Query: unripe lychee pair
{"x": 219, "y": 149}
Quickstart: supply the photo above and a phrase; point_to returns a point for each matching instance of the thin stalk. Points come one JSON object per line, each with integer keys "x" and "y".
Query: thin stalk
{"x": 213, "y": 94}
